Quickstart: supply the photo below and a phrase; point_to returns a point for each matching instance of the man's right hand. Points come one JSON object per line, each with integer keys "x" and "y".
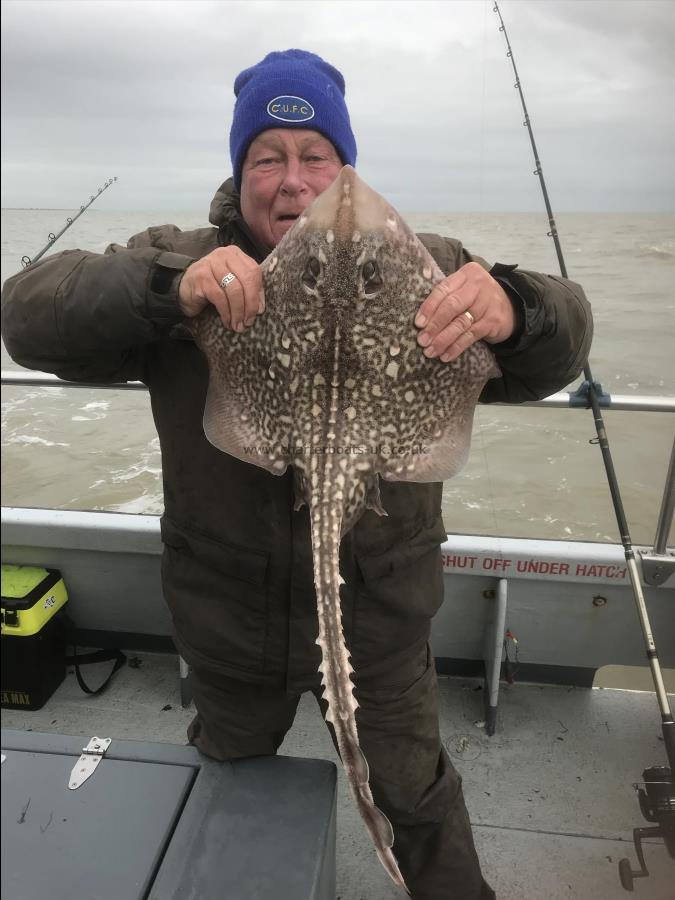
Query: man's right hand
{"x": 239, "y": 302}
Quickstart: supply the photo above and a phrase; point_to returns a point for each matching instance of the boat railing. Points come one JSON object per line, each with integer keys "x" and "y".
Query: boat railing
{"x": 658, "y": 563}
{"x": 562, "y": 400}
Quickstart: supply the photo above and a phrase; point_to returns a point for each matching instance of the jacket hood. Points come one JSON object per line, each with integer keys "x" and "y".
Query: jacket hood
{"x": 225, "y": 206}
{"x": 225, "y": 214}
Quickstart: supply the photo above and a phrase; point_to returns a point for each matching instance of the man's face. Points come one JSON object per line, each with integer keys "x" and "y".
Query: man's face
{"x": 284, "y": 171}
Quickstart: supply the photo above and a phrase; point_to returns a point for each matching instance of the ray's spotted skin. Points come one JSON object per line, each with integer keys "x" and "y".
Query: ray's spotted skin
{"x": 331, "y": 380}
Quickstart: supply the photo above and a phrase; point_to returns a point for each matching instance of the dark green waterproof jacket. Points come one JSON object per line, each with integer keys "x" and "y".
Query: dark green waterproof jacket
{"x": 237, "y": 567}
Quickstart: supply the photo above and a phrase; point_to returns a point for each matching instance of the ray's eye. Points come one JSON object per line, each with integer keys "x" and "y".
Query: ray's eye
{"x": 311, "y": 274}
{"x": 372, "y": 280}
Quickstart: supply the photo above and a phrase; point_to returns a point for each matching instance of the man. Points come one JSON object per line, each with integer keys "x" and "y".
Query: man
{"x": 237, "y": 568}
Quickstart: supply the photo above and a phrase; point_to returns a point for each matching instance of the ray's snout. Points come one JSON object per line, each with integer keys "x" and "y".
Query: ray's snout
{"x": 348, "y": 207}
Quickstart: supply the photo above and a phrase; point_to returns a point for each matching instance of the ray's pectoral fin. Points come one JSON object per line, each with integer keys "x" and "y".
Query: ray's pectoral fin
{"x": 441, "y": 446}
{"x": 238, "y": 419}
{"x": 440, "y": 454}
{"x": 236, "y": 430}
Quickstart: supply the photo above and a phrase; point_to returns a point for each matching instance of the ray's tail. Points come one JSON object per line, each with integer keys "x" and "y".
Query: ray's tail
{"x": 336, "y": 673}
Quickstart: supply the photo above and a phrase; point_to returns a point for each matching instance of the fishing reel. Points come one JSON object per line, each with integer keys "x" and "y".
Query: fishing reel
{"x": 656, "y": 795}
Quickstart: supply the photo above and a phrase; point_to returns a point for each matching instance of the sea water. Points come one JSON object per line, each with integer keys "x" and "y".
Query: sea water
{"x": 532, "y": 472}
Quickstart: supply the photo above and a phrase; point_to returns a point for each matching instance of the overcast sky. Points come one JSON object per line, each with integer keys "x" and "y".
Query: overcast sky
{"x": 143, "y": 90}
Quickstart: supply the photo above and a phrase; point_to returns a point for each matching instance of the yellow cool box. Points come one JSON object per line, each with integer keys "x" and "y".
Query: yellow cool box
{"x": 33, "y": 635}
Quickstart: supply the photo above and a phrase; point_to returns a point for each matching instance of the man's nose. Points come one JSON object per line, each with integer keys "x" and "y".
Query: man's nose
{"x": 293, "y": 182}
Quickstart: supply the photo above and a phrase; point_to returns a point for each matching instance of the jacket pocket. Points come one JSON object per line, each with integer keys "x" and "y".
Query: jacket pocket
{"x": 404, "y": 548}
{"x": 217, "y": 595}
{"x": 231, "y": 560}
{"x": 397, "y": 593}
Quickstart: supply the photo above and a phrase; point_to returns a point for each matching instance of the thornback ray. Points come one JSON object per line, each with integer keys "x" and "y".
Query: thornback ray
{"x": 331, "y": 381}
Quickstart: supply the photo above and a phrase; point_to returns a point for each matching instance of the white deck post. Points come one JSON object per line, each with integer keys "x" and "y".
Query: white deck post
{"x": 492, "y": 657}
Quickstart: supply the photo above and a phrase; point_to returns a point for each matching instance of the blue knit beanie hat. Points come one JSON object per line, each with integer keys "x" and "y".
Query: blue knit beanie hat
{"x": 290, "y": 89}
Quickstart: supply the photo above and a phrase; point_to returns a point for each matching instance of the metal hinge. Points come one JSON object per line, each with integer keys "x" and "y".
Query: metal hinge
{"x": 92, "y": 755}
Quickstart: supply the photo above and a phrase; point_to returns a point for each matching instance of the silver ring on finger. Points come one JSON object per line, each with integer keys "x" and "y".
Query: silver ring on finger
{"x": 470, "y": 318}
{"x": 227, "y": 279}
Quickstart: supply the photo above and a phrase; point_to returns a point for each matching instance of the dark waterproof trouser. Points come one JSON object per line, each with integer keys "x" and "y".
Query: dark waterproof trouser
{"x": 411, "y": 776}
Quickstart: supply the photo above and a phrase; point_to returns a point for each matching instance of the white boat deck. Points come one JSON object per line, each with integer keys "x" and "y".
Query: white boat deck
{"x": 550, "y": 794}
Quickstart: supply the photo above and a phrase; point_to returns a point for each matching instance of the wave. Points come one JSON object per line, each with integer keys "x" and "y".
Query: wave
{"x": 655, "y": 252}
{"x": 32, "y": 439}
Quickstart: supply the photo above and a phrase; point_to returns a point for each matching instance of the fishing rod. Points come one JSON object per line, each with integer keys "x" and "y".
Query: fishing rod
{"x": 657, "y": 801}
{"x": 53, "y": 238}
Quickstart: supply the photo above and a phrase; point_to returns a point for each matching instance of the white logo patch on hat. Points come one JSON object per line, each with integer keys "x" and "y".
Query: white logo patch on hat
{"x": 290, "y": 109}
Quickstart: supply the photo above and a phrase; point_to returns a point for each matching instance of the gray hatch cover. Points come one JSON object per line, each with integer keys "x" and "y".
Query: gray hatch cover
{"x": 101, "y": 841}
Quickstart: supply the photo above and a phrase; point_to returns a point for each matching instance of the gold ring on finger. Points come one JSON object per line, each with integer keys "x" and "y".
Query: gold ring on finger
{"x": 469, "y": 317}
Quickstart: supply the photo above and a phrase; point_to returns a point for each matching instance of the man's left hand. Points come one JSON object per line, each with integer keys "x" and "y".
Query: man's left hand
{"x": 465, "y": 307}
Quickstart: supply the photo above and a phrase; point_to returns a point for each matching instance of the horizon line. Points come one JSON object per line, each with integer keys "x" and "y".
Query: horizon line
{"x": 533, "y": 212}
